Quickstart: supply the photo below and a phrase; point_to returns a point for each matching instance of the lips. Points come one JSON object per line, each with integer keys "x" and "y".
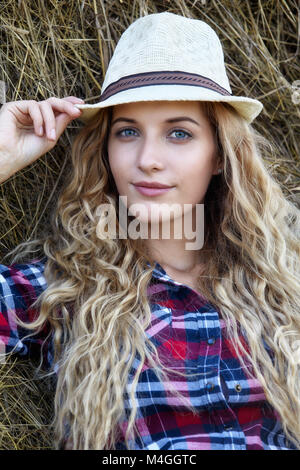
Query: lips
{"x": 154, "y": 184}
{"x": 152, "y": 191}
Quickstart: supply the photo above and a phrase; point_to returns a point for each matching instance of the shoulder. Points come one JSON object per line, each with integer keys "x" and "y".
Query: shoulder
{"x": 20, "y": 278}
{"x": 20, "y": 286}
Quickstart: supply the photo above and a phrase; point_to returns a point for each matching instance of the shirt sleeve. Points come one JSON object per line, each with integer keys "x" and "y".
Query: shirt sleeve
{"x": 20, "y": 285}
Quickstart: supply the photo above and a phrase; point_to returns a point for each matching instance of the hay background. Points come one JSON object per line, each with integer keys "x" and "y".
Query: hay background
{"x": 60, "y": 48}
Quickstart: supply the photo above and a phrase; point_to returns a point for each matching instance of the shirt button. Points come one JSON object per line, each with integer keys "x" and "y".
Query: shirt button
{"x": 211, "y": 340}
{"x": 238, "y": 388}
{"x": 228, "y": 428}
{"x": 209, "y": 386}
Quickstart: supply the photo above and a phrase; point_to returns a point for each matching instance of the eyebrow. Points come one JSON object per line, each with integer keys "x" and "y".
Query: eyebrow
{"x": 177, "y": 119}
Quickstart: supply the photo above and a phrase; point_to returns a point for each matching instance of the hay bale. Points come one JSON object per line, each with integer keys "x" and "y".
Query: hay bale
{"x": 60, "y": 49}
{"x": 26, "y": 407}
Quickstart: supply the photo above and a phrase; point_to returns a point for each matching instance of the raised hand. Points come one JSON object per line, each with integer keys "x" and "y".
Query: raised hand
{"x": 29, "y": 129}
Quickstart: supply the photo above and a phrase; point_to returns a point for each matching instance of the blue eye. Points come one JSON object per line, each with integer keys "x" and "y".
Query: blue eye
{"x": 182, "y": 134}
{"x": 124, "y": 130}
{"x": 129, "y": 132}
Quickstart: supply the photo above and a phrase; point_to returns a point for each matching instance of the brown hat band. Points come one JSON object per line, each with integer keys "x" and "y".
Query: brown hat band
{"x": 161, "y": 78}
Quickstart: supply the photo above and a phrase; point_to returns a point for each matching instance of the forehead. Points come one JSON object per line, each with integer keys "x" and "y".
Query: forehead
{"x": 159, "y": 109}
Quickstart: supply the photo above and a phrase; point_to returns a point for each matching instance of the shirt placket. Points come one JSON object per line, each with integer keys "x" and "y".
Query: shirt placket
{"x": 211, "y": 383}
{"x": 216, "y": 391}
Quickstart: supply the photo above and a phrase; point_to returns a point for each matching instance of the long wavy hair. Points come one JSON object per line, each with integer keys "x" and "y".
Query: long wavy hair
{"x": 96, "y": 300}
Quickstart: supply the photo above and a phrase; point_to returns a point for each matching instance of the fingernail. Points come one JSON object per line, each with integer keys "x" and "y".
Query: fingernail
{"x": 41, "y": 130}
{"x": 53, "y": 134}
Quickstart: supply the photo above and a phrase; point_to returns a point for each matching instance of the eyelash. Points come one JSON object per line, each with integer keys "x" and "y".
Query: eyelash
{"x": 118, "y": 133}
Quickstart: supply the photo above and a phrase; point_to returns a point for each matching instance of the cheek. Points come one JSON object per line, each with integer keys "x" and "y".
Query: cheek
{"x": 197, "y": 176}
{"x": 199, "y": 168}
{"x": 119, "y": 166}
{"x": 111, "y": 151}
{"x": 114, "y": 160}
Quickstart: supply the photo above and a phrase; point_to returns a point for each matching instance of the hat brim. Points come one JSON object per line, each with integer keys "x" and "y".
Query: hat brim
{"x": 248, "y": 108}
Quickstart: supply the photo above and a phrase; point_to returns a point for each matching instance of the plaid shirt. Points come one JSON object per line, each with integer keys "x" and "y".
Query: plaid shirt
{"x": 232, "y": 411}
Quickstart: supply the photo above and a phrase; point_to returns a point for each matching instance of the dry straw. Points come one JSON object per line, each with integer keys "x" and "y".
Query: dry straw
{"x": 59, "y": 48}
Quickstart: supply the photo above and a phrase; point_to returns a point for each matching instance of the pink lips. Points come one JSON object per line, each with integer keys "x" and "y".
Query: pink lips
{"x": 151, "y": 191}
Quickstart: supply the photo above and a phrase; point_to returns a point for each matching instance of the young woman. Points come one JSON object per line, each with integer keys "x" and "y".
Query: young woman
{"x": 156, "y": 345}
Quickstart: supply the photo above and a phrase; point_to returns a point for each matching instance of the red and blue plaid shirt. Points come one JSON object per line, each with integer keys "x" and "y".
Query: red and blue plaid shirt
{"x": 232, "y": 411}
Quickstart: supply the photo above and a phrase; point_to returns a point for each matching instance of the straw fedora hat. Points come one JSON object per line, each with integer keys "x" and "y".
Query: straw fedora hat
{"x": 164, "y": 56}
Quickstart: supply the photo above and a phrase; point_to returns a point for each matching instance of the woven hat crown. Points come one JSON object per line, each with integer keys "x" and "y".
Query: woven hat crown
{"x": 165, "y": 41}
{"x": 168, "y": 57}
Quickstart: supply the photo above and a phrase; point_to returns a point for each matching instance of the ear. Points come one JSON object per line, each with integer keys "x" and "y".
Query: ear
{"x": 218, "y": 167}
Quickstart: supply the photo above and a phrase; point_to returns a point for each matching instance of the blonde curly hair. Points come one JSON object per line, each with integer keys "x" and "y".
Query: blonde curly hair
{"x": 96, "y": 300}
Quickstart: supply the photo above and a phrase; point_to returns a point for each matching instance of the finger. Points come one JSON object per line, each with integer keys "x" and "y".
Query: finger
{"x": 36, "y": 116}
{"x": 62, "y": 120}
{"x": 49, "y": 120}
{"x": 74, "y": 99}
{"x": 64, "y": 106}
{"x": 26, "y": 113}
{"x": 59, "y": 105}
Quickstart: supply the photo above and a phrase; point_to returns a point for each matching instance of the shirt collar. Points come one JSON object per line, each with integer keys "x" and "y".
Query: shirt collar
{"x": 159, "y": 272}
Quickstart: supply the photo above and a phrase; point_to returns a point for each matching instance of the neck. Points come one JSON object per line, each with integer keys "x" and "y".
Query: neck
{"x": 178, "y": 250}
{"x": 172, "y": 253}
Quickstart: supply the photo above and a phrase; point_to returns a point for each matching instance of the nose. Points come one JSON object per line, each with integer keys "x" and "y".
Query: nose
{"x": 150, "y": 156}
